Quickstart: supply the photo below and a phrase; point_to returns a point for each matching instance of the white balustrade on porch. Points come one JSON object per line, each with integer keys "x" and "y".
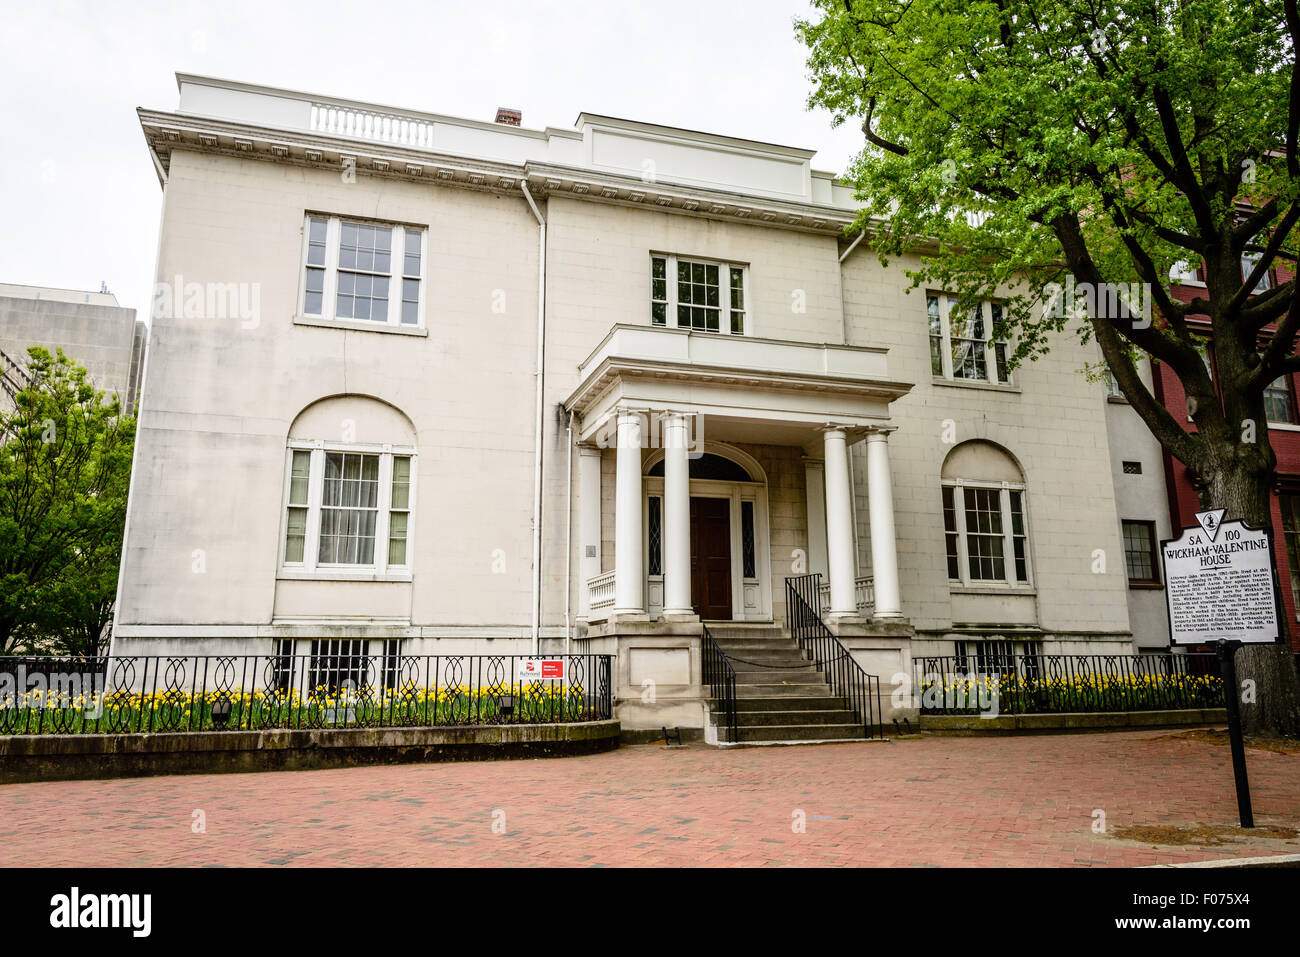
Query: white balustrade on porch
{"x": 863, "y": 593}
{"x": 600, "y": 591}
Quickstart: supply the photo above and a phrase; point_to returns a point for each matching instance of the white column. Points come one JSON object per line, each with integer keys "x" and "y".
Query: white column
{"x": 677, "y": 517}
{"x": 588, "y": 523}
{"x": 880, "y": 505}
{"x": 839, "y": 525}
{"x": 629, "y": 564}
{"x": 814, "y": 472}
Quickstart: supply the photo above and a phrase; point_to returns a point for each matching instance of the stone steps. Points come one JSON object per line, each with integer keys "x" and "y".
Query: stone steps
{"x": 780, "y": 698}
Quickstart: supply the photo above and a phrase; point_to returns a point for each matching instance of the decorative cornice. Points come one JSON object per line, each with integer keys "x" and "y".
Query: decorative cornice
{"x": 166, "y": 132}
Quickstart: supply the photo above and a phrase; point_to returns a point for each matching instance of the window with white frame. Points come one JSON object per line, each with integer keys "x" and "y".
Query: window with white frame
{"x": 697, "y": 294}
{"x": 1248, "y": 263}
{"x": 1278, "y": 407}
{"x": 985, "y": 533}
{"x": 363, "y": 271}
{"x": 961, "y": 343}
{"x": 348, "y": 508}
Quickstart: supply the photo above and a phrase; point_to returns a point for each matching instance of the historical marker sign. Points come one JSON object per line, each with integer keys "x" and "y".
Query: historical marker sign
{"x": 1219, "y": 582}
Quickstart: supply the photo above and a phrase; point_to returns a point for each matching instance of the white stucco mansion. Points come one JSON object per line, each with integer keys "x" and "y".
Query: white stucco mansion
{"x": 472, "y": 387}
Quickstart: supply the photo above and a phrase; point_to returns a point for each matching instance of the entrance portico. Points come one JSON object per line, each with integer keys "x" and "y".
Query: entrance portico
{"x": 681, "y": 413}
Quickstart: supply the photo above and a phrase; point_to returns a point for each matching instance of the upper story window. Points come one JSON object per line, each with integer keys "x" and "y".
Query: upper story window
{"x": 1278, "y": 406}
{"x": 1248, "y": 263}
{"x": 363, "y": 271}
{"x": 697, "y": 294}
{"x": 961, "y": 344}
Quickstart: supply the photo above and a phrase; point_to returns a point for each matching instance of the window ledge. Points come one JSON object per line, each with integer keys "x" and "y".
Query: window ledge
{"x": 359, "y": 325}
{"x": 1117, "y": 400}
{"x": 959, "y": 589}
{"x": 1146, "y": 586}
{"x": 340, "y": 575}
{"x": 975, "y": 384}
{"x": 1284, "y": 426}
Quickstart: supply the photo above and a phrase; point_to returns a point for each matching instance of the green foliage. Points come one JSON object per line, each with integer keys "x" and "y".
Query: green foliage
{"x": 65, "y": 462}
{"x": 1011, "y": 143}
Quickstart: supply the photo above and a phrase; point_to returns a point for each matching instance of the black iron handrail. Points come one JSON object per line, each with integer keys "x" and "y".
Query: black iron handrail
{"x": 720, "y": 677}
{"x": 848, "y": 679}
{"x": 151, "y": 693}
{"x": 1055, "y": 684}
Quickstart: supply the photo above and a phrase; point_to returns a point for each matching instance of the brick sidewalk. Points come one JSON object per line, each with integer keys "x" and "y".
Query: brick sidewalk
{"x": 919, "y": 802}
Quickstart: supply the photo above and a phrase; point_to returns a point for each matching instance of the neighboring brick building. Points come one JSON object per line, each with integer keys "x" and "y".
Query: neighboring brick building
{"x": 1283, "y": 435}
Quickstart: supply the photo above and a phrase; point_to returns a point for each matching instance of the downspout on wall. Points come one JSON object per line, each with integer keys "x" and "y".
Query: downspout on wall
{"x": 538, "y": 430}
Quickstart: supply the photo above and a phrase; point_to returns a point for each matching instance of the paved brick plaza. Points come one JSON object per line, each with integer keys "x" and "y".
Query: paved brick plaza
{"x": 916, "y": 802}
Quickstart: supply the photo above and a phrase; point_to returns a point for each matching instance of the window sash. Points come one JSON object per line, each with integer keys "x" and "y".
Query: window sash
{"x": 701, "y": 295}
{"x": 1002, "y": 544}
{"x": 324, "y": 276}
{"x": 964, "y": 349}
{"x": 306, "y": 526}
{"x": 1140, "y": 563}
{"x": 1277, "y": 401}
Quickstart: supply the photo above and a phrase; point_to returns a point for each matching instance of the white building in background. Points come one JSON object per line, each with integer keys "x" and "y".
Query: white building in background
{"x": 1142, "y": 501}
{"x": 90, "y": 327}
{"x": 435, "y": 385}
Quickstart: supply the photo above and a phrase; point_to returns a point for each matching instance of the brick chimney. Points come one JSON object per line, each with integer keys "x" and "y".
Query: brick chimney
{"x": 509, "y": 117}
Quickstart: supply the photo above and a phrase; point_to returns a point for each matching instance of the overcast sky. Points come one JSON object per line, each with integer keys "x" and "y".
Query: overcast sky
{"x": 79, "y": 201}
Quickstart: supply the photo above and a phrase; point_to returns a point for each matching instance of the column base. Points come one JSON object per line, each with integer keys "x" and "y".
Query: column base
{"x": 687, "y": 614}
{"x": 627, "y": 614}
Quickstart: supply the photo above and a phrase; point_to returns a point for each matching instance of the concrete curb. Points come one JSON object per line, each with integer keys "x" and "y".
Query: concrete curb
{"x": 1070, "y": 721}
{"x": 1275, "y": 860}
{"x": 48, "y": 757}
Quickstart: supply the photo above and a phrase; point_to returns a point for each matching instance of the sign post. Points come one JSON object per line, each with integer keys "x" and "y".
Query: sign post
{"x": 1221, "y": 590}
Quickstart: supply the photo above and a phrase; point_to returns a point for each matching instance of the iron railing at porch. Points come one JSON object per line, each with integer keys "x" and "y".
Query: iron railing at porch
{"x": 720, "y": 677}
{"x": 1047, "y": 684}
{"x": 848, "y": 679}
{"x": 130, "y": 694}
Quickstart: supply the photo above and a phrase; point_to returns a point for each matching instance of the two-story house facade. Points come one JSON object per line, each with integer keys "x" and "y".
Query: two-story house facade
{"x": 628, "y": 379}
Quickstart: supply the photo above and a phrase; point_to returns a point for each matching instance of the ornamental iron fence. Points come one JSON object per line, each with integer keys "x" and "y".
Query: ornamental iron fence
{"x": 1046, "y": 684}
{"x": 155, "y": 693}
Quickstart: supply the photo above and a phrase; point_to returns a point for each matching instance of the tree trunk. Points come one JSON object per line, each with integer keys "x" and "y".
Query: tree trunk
{"x": 1268, "y": 683}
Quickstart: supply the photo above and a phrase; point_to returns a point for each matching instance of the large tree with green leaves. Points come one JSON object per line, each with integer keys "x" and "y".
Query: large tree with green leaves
{"x": 1014, "y": 143}
{"x": 65, "y": 463}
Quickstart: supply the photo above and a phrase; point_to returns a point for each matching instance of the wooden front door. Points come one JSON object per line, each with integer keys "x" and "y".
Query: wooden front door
{"x": 711, "y": 558}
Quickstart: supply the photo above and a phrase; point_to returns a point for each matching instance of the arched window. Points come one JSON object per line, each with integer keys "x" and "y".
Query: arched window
{"x": 985, "y": 524}
{"x": 710, "y": 466}
{"x": 349, "y": 489}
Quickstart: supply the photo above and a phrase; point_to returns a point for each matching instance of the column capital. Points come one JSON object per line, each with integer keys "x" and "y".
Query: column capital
{"x": 588, "y": 448}
{"x": 879, "y": 433}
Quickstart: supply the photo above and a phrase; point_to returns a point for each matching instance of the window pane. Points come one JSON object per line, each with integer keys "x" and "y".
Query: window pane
{"x": 1139, "y": 551}
{"x": 397, "y": 538}
{"x": 984, "y": 541}
{"x": 401, "y": 481}
{"x": 747, "y": 551}
{"x": 655, "y": 522}
{"x": 299, "y": 472}
{"x": 1277, "y": 401}
{"x": 950, "y": 533}
{"x": 295, "y": 538}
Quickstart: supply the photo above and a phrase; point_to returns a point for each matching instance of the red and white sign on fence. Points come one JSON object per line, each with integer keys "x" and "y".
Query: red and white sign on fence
{"x": 538, "y": 669}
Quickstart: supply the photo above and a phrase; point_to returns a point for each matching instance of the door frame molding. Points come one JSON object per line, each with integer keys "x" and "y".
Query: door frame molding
{"x": 751, "y": 598}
